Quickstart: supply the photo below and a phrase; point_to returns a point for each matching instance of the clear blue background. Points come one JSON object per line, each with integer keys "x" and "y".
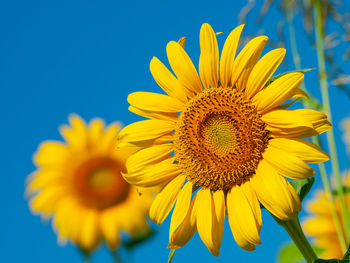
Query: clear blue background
{"x": 59, "y": 57}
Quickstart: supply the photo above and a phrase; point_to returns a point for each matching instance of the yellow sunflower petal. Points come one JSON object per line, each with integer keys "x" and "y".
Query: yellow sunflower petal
{"x": 278, "y": 91}
{"x": 109, "y": 138}
{"x": 166, "y": 138}
{"x": 89, "y": 230}
{"x": 62, "y": 212}
{"x": 209, "y": 58}
{"x": 218, "y": 220}
{"x": 246, "y": 60}
{"x": 43, "y": 178}
{"x": 146, "y": 156}
{"x": 263, "y": 71}
{"x": 318, "y": 119}
{"x": 287, "y": 164}
{"x": 319, "y": 226}
{"x": 242, "y": 219}
{"x": 181, "y": 208}
{"x": 155, "y": 174}
{"x": 305, "y": 150}
{"x": 167, "y": 81}
{"x": 286, "y": 119}
{"x": 299, "y": 93}
{"x": 51, "y": 153}
{"x": 275, "y": 192}
{"x": 205, "y": 214}
{"x": 67, "y": 218}
{"x": 187, "y": 229}
{"x": 183, "y": 67}
{"x": 109, "y": 229}
{"x": 165, "y": 200}
{"x": 76, "y": 135}
{"x": 227, "y": 56}
{"x": 46, "y": 201}
{"x": 166, "y": 116}
{"x": 252, "y": 198}
{"x": 95, "y": 130}
{"x": 146, "y": 130}
{"x": 299, "y": 123}
{"x": 155, "y": 102}
{"x": 320, "y": 204}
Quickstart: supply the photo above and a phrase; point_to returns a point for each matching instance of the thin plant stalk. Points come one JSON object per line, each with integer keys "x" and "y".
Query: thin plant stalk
{"x": 315, "y": 139}
{"x": 116, "y": 257}
{"x": 327, "y": 108}
{"x": 86, "y": 258}
{"x": 296, "y": 233}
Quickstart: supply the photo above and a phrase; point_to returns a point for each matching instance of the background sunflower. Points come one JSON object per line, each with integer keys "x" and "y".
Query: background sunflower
{"x": 79, "y": 184}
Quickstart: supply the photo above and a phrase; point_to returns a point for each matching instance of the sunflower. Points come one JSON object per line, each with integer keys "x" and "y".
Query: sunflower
{"x": 220, "y": 142}
{"x": 320, "y": 225}
{"x": 79, "y": 184}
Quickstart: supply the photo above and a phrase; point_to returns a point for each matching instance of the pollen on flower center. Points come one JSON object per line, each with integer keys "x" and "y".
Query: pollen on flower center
{"x": 99, "y": 183}
{"x": 219, "y": 139}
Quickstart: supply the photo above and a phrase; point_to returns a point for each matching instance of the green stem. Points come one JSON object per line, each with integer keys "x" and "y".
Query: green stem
{"x": 116, "y": 257}
{"x": 296, "y": 233}
{"x": 86, "y": 258}
{"x": 85, "y": 255}
{"x": 327, "y": 109}
{"x": 315, "y": 140}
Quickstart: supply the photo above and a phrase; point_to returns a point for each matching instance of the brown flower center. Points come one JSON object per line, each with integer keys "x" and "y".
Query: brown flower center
{"x": 100, "y": 184}
{"x": 219, "y": 139}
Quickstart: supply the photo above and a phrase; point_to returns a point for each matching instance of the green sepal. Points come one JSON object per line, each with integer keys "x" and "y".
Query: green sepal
{"x": 289, "y": 253}
{"x": 138, "y": 239}
{"x": 346, "y": 190}
{"x": 310, "y": 101}
{"x": 280, "y": 75}
{"x": 302, "y": 186}
{"x": 171, "y": 255}
{"x": 347, "y": 254}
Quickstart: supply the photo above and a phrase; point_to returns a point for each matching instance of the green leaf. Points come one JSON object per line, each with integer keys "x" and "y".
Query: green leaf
{"x": 171, "y": 255}
{"x": 280, "y": 75}
{"x": 303, "y": 186}
{"x": 289, "y": 253}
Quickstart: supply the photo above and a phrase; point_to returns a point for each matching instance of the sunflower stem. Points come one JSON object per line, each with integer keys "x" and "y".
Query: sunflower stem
{"x": 315, "y": 139}
{"x": 327, "y": 109}
{"x": 116, "y": 256}
{"x": 296, "y": 233}
{"x": 86, "y": 257}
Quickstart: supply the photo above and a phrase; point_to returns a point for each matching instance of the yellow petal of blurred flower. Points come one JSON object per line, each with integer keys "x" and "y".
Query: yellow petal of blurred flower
{"x": 225, "y": 135}
{"x": 79, "y": 184}
{"x": 320, "y": 224}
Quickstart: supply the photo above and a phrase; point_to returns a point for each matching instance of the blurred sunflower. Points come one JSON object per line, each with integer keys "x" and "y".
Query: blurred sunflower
{"x": 79, "y": 184}
{"x": 221, "y": 142}
{"x": 320, "y": 224}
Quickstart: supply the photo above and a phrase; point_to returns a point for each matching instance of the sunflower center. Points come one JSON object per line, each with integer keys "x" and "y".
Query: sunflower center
{"x": 100, "y": 184}
{"x": 219, "y": 139}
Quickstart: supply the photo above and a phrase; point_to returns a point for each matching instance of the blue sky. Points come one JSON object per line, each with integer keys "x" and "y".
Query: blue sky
{"x": 59, "y": 57}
